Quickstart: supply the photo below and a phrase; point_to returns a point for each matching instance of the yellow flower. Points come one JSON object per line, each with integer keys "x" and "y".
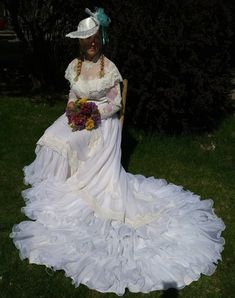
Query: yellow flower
{"x": 82, "y": 100}
{"x": 90, "y": 124}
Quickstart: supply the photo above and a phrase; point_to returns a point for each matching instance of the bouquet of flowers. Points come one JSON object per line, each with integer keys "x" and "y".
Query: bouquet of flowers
{"x": 85, "y": 115}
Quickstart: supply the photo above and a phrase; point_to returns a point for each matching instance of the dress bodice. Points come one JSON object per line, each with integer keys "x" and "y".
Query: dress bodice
{"x": 89, "y": 84}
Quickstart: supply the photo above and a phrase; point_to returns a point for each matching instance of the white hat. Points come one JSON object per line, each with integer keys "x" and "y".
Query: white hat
{"x": 91, "y": 25}
{"x": 86, "y": 28}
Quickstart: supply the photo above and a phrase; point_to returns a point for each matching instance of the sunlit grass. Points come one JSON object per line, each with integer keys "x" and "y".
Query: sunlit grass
{"x": 202, "y": 164}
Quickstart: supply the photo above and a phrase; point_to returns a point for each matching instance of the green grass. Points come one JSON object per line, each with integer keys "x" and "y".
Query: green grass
{"x": 180, "y": 160}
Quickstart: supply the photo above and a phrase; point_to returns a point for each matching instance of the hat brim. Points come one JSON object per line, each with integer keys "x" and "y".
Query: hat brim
{"x": 83, "y": 34}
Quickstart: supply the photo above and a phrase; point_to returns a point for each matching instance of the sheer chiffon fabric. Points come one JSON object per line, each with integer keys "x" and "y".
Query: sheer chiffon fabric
{"x": 106, "y": 228}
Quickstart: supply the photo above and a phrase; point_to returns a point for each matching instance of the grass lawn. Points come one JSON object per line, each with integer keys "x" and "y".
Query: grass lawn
{"x": 202, "y": 164}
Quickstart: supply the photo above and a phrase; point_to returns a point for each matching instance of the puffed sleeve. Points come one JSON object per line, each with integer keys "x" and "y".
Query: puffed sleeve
{"x": 70, "y": 74}
{"x": 112, "y": 100}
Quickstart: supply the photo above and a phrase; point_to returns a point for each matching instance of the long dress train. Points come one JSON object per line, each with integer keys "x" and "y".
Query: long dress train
{"x": 106, "y": 228}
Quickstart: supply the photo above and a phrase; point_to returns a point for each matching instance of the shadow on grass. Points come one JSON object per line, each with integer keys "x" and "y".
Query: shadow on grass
{"x": 128, "y": 146}
{"x": 171, "y": 291}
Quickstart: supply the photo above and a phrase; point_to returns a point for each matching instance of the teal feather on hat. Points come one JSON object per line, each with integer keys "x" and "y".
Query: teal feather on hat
{"x": 103, "y": 21}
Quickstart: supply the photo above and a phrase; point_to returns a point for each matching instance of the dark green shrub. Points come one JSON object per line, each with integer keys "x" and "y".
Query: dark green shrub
{"x": 175, "y": 54}
{"x": 42, "y": 25}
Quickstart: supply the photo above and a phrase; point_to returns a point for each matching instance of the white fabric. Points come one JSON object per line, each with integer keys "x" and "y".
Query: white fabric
{"x": 85, "y": 29}
{"x": 105, "y": 91}
{"x": 106, "y": 228}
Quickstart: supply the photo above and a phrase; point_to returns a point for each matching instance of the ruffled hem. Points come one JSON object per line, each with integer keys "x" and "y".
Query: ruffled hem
{"x": 55, "y": 160}
{"x": 39, "y": 170}
{"x": 109, "y": 229}
{"x": 62, "y": 148}
{"x": 109, "y": 256}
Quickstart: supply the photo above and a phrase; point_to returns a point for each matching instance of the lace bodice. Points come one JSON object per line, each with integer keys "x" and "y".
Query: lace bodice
{"x": 104, "y": 91}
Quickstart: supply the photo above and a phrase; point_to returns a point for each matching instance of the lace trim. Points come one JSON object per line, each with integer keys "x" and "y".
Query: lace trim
{"x": 142, "y": 220}
{"x": 63, "y": 148}
{"x": 111, "y": 78}
{"x": 137, "y": 222}
{"x": 91, "y": 202}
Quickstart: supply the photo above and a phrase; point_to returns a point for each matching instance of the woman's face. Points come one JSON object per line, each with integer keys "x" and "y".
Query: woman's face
{"x": 91, "y": 46}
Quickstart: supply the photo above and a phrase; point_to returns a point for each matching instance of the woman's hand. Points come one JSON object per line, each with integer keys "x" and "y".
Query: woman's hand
{"x": 71, "y": 105}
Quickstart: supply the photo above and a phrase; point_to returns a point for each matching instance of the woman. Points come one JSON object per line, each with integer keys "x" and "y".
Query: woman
{"x": 106, "y": 228}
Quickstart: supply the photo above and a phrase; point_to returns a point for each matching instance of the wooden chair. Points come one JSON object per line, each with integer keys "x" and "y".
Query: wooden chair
{"x": 123, "y": 93}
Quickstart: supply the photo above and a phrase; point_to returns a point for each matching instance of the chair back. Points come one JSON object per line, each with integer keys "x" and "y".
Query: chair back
{"x": 123, "y": 108}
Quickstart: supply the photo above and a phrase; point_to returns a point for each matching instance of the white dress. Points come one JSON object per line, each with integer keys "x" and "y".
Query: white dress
{"x": 106, "y": 228}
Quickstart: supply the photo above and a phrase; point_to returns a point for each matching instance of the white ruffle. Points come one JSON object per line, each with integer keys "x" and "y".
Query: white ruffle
{"x": 62, "y": 148}
{"x": 49, "y": 164}
{"x": 70, "y": 72}
{"x": 111, "y": 78}
{"x": 97, "y": 85}
{"x": 109, "y": 256}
